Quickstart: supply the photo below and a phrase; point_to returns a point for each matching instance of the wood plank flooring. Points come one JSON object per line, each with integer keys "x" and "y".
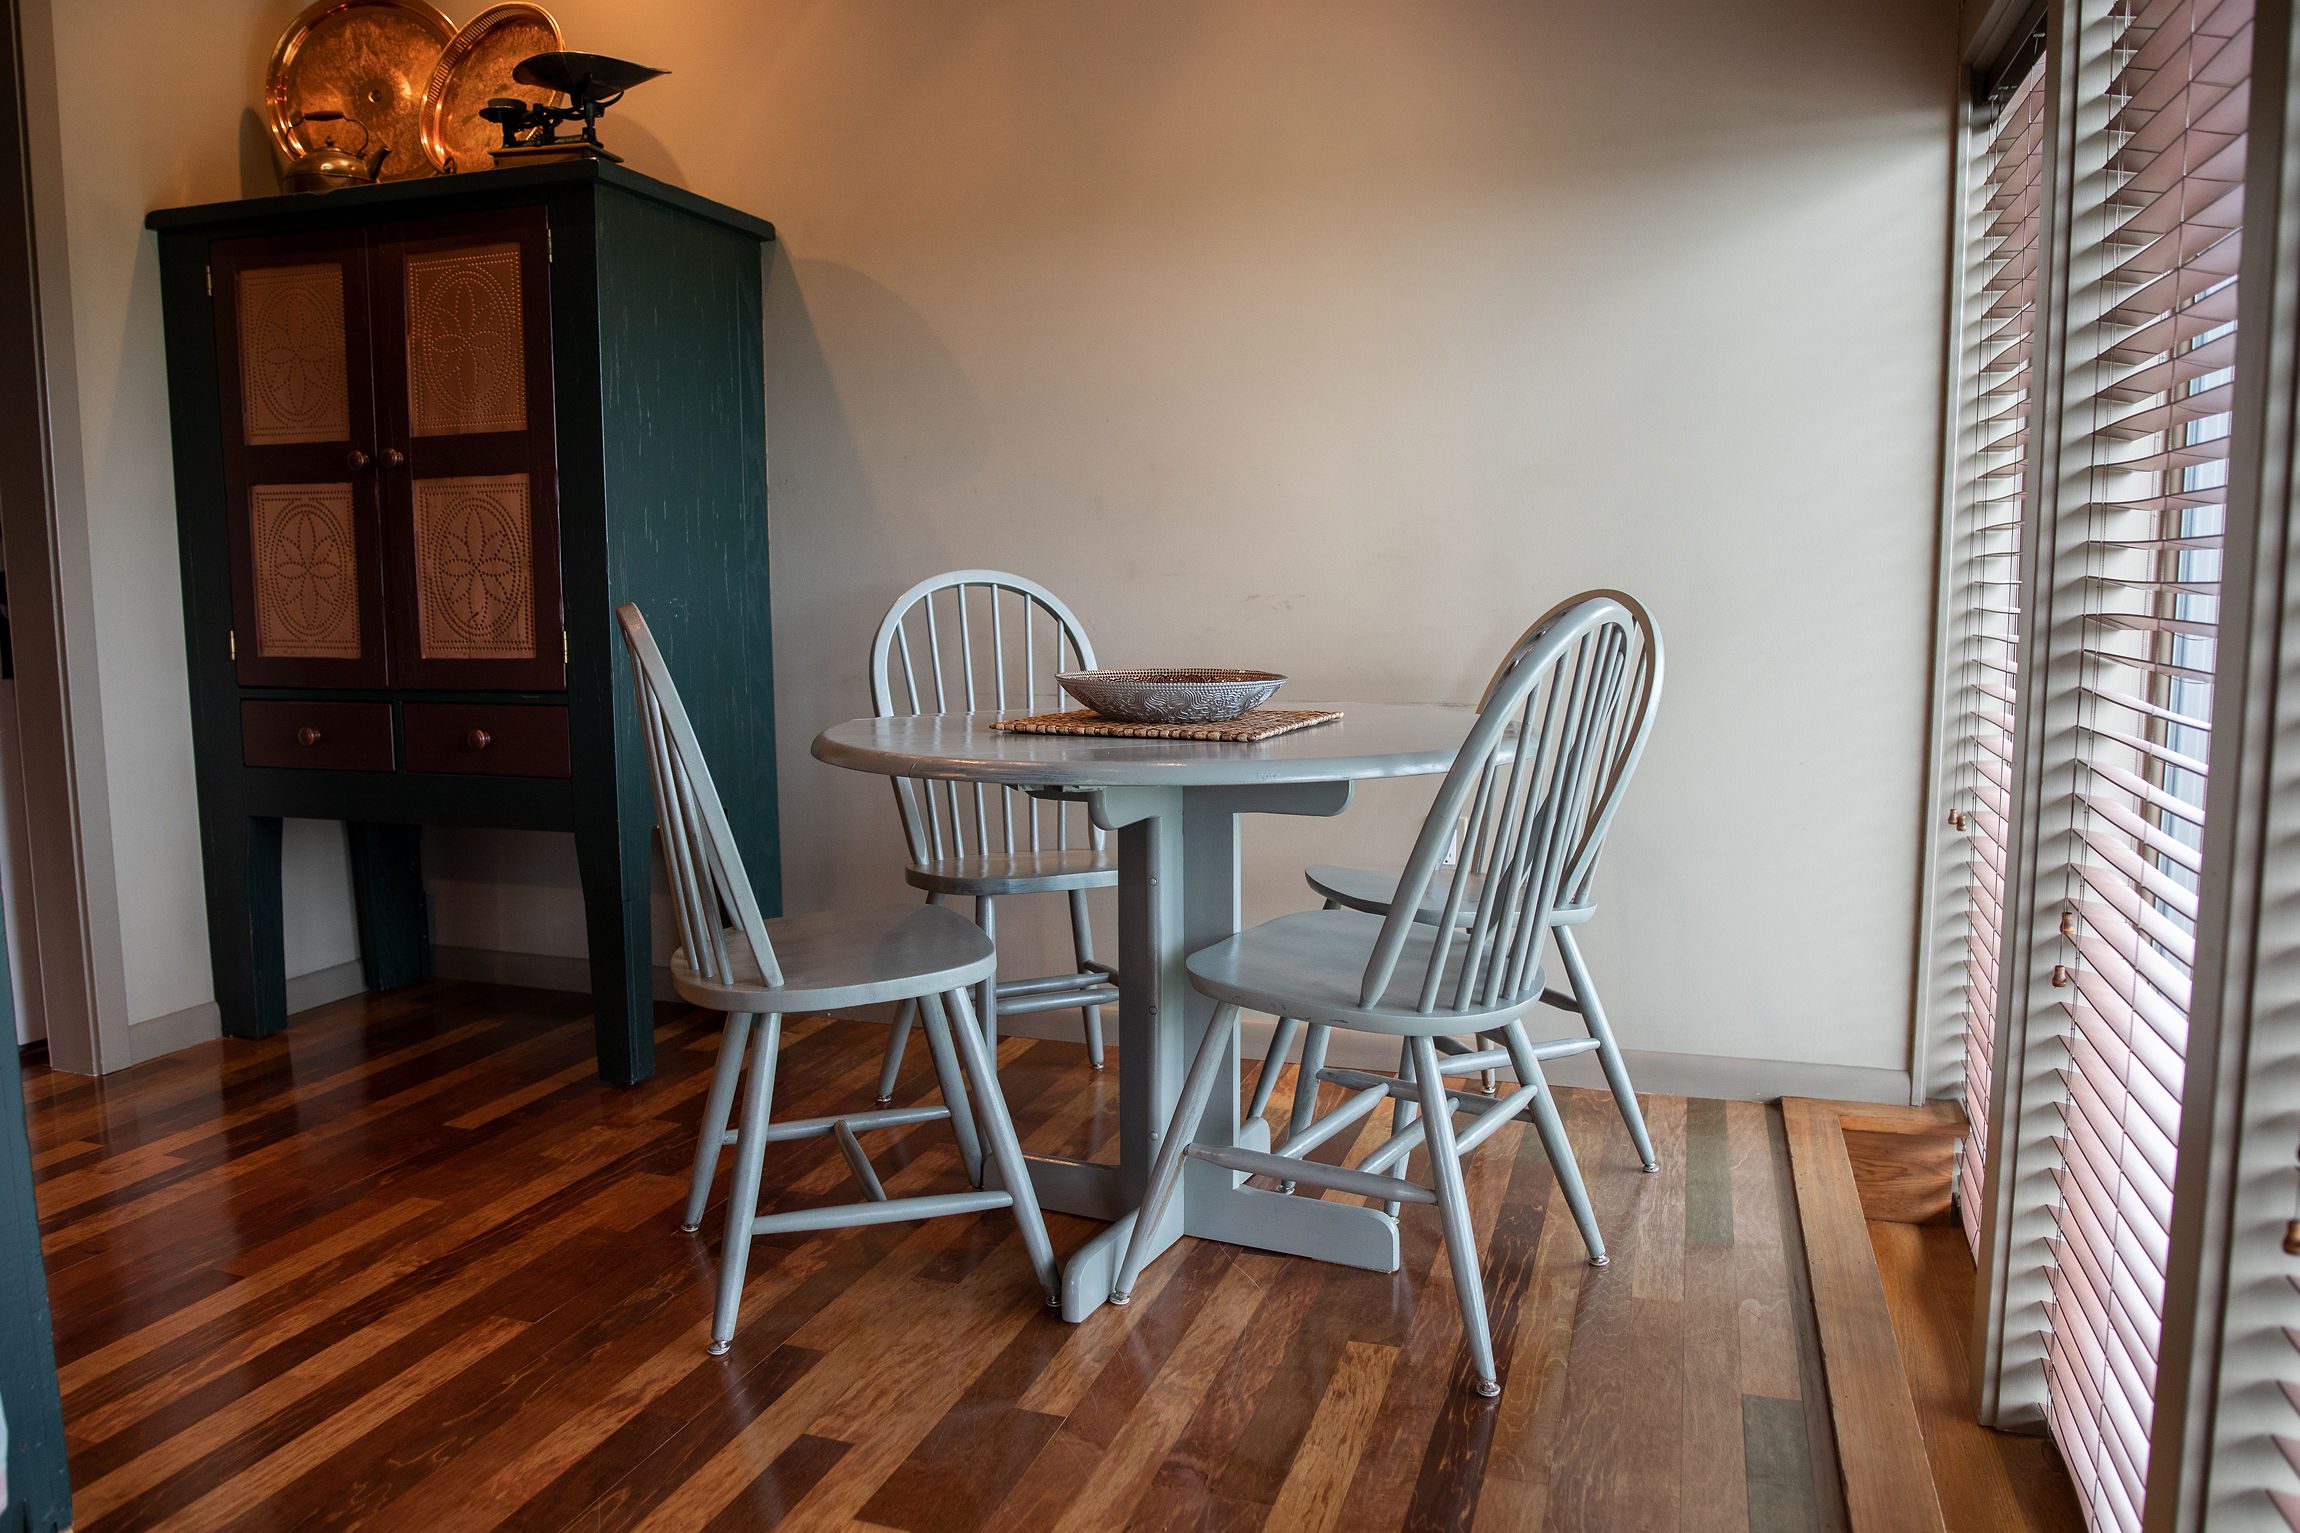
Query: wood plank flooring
{"x": 1987, "y": 1479}
{"x": 1888, "y": 1480}
{"x": 410, "y": 1266}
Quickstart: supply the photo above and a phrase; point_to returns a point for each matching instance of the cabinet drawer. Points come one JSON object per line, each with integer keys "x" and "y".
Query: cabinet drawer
{"x": 497, "y": 740}
{"x": 336, "y": 737}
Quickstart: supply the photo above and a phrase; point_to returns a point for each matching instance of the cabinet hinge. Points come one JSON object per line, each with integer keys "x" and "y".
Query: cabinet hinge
{"x": 566, "y": 650}
{"x": 548, "y": 255}
{"x": 211, "y": 271}
{"x": 232, "y": 642}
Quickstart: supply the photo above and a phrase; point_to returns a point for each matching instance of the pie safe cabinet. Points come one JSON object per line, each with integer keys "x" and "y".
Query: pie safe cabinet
{"x": 428, "y": 436}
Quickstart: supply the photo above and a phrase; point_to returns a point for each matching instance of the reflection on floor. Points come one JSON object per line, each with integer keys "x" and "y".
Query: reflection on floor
{"x": 410, "y": 1266}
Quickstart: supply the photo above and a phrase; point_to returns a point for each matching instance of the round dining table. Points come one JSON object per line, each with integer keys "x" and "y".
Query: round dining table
{"x": 1174, "y": 806}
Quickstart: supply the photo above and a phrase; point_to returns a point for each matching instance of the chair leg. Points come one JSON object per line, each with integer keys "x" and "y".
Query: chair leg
{"x": 1315, "y": 1037}
{"x": 715, "y": 1109}
{"x": 1082, "y": 943}
{"x": 1306, "y": 1078}
{"x": 986, "y": 917}
{"x": 896, "y": 1038}
{"x": 998, "y": 1124}
{"x": 1314, "y": 1040}
{"x": 1453, "y": 1213}
{"x": 1608, "y": 1052}
{"x": 743, "y": 1197}
{"x": 946, "y": 1073}
{"x": 1551, "y": 1127}
{"x": 1402, "y": 1109}
{"x": 1166, "y": 1171}
{"x": 1281, "y": 1044}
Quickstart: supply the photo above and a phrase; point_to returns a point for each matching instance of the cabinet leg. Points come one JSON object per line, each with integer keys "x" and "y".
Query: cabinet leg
{"x": 246, "y": 944}
{"x": 394, "y": 917}
{"x": 622, "y": 942}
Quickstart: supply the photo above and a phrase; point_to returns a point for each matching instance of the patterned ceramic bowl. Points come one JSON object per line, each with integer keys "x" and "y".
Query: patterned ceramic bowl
{"x": 1171, "y": 697}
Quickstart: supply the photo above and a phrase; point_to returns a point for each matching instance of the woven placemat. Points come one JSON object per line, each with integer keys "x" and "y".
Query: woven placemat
{"x": 1246, "y": 728}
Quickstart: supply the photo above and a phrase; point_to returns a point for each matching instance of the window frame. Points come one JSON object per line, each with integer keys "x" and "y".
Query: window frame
{"x": 2229, "y": 1285}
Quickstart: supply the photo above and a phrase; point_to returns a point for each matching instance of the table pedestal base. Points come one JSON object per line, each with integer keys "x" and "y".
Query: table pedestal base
{"x": 1178, "y": 892}
{"x": 1222, "y": 1207}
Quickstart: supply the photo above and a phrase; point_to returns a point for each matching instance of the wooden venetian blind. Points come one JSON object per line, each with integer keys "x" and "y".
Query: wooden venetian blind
{"x": 2158, "y": 201}
{"x": 2000, "y": 331}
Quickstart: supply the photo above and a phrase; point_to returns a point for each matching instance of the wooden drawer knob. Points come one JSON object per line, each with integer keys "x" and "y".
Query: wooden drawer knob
{"x": 307, "y": 737}
{"x": 479, "y": 739}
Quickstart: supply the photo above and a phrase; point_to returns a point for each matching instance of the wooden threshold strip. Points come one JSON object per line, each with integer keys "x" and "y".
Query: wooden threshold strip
{"x": 1888, "y": 1477}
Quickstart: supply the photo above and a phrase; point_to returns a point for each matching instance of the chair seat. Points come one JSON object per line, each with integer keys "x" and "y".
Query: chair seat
{"x": 1078, "y": 867}
{"x": 1372, "y": 889}
{"x": 1311, "y": 965}
{"x": 847, "y": 958}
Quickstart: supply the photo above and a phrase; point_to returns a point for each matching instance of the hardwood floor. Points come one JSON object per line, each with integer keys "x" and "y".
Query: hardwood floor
{"x": 1986, "y": 1479}
{"x": 1893, "y": 1278}
{"x": 410, "y": 1266}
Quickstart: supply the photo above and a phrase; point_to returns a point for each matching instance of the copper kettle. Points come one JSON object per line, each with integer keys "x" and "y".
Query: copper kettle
{"x": 323, "y": 167}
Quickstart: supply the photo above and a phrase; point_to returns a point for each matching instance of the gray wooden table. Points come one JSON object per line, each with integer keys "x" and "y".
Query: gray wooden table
{"x": 1174, "y": 805}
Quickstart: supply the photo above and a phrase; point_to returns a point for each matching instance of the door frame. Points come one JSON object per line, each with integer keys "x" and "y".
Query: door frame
{"x": 74, "y": 898}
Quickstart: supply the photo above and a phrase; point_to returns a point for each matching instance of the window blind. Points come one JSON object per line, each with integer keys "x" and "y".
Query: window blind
{"x": 2000, "y": 332}
{"x": 2156, "y": 210}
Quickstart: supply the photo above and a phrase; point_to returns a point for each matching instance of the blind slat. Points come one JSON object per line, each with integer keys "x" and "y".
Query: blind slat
{"x": 1999, "y": 349}
{"x": 2159, "y": 172}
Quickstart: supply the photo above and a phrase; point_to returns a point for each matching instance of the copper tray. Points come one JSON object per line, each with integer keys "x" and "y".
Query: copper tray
{"x": 368, "y": 59}
{"x": 473, "y": 70}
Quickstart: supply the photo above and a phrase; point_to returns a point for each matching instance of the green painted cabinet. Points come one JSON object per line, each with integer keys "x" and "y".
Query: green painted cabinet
{"x": 39, "y": 1486}
{"x": 427, "y": 437}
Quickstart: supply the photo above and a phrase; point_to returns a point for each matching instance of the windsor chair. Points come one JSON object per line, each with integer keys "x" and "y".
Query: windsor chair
{"x": 1374, "y": 890}
{"x": 967, "y": 640}
{"x": 1521, "y": 798}
{"x": 759, "y": 971}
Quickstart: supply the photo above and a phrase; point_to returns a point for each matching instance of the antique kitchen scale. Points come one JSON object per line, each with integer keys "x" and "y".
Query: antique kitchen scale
{"x": 591, "y": 82}
{"x": 426, "y": 97}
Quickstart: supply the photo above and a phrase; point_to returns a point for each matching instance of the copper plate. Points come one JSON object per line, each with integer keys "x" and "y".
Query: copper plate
{"x": 473, "y": 70}
{"x": 367, "y": 59}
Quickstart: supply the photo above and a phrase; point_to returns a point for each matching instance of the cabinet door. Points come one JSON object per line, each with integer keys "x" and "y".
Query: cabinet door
{"x": 300, "y": 471}
{"x": 471, "y": 512}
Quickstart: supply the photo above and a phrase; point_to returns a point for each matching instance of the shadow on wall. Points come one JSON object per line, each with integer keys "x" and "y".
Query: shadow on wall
{"x": 840, "y": 553}
{"x": 642, "y": 150}
{"x": 923, "y": 408}
{"x": 259, "y": 164}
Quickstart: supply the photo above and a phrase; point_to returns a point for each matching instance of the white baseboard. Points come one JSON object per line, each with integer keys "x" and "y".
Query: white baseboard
{"x": 318, "y": 988}
{"x": 530, "y": 971}
{"x": 1690, "y": 1075}
{"x": 203, "y": 1023}
{"x": 165, "y": 1034}
{"x": 155, "y": 1036}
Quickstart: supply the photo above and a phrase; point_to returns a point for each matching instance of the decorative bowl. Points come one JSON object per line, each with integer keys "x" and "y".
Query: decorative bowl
{"x": 1171, "y": 696}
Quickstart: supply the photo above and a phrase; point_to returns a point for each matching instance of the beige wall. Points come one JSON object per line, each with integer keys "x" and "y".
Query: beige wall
{"x": 1339, "y": 338}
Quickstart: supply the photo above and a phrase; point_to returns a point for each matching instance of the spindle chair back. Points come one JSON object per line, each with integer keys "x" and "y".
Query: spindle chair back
{"x": 710, "y": 892}
{"x": 1518, "y": 806}
{"x": 967, "y": 640}
{"x": 1621, "y": 739}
